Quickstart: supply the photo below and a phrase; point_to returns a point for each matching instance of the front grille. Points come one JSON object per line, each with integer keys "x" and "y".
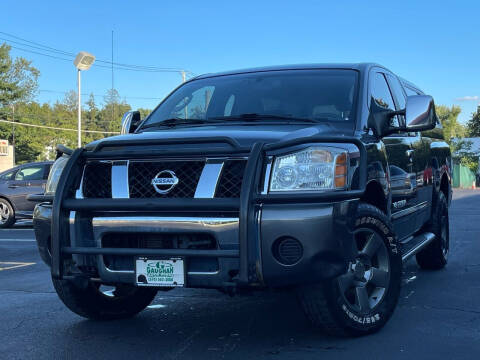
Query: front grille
{"x": 200, "y": 241}
{"x": 97, "y": 182}
{"x": 140, "y": 175}
{"x": 230, "y": 182}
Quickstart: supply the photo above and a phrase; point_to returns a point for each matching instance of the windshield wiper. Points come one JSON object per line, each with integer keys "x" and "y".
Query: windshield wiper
{"x": 260, "y": 117}
{"x": 172, "y": 122}
{"x": 177, "y": 121}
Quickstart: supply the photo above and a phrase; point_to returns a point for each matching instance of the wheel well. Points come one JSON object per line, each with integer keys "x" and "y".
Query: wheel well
{"x": 375, "y": 196}
{"x": 444, "y": 186}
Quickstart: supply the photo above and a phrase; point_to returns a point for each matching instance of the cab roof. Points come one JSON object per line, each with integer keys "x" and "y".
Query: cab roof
{"x": 362, "y": 67}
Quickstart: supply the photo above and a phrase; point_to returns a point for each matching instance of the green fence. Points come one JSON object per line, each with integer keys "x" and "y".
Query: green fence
{"x": 463, "y": 177}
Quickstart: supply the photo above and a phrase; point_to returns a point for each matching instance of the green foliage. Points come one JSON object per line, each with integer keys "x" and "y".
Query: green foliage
{"x": 18, "y": 79}
{"x": 144, "y": 112}
{"x": 39, "y": 143}
{"x": 473, "y": 125}
{"x": 449, "y": 119}
{"x": 463, "y": 153}
{"x": 18, "y": 85}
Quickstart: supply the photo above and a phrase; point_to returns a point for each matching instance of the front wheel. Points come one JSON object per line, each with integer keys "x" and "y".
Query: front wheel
{"x": 361, "y": 300}
{"x": 123, "y": 301}
{"x": 7, "y": 214}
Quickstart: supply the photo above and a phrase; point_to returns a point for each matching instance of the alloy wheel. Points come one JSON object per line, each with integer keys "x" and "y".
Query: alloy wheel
{"x": 366, "y": 281}
{"x": 4, "y": 213}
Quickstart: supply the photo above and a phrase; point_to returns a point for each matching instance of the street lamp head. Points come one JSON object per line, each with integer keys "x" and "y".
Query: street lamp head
{"x": 83, "y": 60}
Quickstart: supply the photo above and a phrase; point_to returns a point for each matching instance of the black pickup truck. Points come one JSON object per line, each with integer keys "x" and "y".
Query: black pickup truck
{"x": 320, "y": 179}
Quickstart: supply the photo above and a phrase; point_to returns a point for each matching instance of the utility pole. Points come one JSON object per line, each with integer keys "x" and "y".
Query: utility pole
{"x": 13, "y": 132}
{"x": 113, "y": 103}
{"x": 79, "y": 110}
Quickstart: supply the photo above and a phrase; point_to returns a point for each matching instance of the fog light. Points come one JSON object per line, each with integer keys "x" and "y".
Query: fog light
{"x": 287, "y": 250}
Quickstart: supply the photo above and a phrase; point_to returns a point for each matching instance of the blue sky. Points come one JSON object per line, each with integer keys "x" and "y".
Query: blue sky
{"x": 434, "y": 44}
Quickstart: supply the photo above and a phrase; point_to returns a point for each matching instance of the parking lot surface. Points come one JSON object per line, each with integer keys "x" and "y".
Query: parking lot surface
{"x": 438, "y": 316}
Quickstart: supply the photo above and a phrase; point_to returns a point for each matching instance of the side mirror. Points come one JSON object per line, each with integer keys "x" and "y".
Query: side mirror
{"x": 420, "y": 113}
{"x": 130, "y": 122}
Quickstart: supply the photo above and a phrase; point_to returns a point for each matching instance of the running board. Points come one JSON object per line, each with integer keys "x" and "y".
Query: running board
{"x": 420, "y": 242}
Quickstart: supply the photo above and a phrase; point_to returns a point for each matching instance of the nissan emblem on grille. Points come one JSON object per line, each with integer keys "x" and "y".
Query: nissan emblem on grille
{"x": 164, "y": 181}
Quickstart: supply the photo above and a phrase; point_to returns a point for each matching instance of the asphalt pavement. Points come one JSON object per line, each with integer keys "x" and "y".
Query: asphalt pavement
{"x": 438, "y": 316}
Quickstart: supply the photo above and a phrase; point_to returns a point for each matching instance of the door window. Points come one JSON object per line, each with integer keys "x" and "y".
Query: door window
{"x": 410, "y": 92}
{"x": 382, "y": 96}
{"x": 381, "y": 93}
{"x": 30, "y": 173}
{"x": 397, "y": 91}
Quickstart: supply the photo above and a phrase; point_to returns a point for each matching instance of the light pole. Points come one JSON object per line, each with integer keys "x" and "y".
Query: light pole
{"x": 83, "y": 61}
{"x": 13, "y": 132}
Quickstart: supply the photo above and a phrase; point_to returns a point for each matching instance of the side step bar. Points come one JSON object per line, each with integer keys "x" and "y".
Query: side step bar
{"x": 420, "y": 242}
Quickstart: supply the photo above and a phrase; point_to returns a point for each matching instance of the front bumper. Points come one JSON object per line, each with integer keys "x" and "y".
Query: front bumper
{"x": 245, "y": 230}
{"x": 323, "y": 229}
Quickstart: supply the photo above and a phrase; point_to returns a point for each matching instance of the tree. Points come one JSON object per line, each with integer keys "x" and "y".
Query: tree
{"x": 448, "y": 118}
{"x": 144, "y": 112}
{"x": 18, "y": 86}
{"x": 463, "y": 153}
{"x": 113, "y": 110}
{"x": 18, "y": 78}
{"x": 473, "y": 125}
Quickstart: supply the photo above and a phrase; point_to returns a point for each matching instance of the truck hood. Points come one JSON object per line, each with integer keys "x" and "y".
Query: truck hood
{"x": 245, "y": 135}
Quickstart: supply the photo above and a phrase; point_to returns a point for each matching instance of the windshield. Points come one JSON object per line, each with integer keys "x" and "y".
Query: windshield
{"x": 320, "y": 95}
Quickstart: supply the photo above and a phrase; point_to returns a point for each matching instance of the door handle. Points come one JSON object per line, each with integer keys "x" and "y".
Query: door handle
{"x": 13, "y": 186}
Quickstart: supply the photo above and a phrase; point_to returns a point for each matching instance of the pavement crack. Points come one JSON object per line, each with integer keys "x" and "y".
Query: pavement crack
{"x": 27, "y": 291}
{"x": 186, "y": 343}
{"x": 451, "y": 309}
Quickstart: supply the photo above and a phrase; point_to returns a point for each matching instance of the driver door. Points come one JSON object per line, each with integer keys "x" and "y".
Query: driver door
{"x": 400, "y": 156}
{"x": 32, "y": 179}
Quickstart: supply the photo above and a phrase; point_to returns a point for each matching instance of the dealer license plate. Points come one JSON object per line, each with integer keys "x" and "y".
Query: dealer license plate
{"x": 159, "y": 272}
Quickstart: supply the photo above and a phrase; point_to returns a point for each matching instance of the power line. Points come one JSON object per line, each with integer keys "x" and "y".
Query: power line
{"x": 96, "y": 65}
{"x": 44, "y": 118}
{"x": 58, "y": 128}
{"x": 32, "y": 42}
{"x": 98, "y": 95}
{"x": 45, "y": 48}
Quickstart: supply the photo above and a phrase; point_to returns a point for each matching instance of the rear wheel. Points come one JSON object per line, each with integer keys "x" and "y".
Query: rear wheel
{"x": 7, "y": 214}
{"x": 361, "y": 300}
{"x": 93, "y": 302}
{"x": 435, "y": 255}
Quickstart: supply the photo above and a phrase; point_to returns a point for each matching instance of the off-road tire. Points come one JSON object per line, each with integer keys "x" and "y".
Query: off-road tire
{"x": 435, "y": 255}
{"x": 7, "y": 214}
{"x": 325, "y": 304}
{"x": 91, "y": 303}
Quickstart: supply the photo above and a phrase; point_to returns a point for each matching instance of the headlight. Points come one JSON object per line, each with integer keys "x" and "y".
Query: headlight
{"x": 315, "y": 168}
{"x": 55, "y": 173}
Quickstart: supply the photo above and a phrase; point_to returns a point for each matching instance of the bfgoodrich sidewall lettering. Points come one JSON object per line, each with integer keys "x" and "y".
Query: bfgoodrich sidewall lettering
{"x": 364, "y": 323}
